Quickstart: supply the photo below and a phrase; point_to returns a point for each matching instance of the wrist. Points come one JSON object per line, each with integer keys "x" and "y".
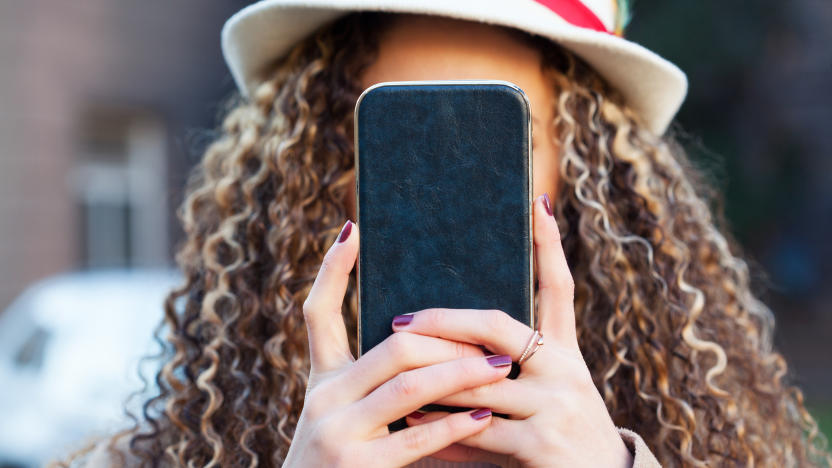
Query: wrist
{"x": 624, "y": 455}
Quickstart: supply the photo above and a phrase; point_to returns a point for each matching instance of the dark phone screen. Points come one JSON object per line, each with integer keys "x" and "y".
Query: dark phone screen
{"x": 443, "y": 176}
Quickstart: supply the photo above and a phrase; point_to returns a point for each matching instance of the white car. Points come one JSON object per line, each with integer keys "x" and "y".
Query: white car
{"x": 70, "y": 348}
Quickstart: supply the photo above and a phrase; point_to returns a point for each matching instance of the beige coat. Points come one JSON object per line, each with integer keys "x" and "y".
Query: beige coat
{"x": 642, "y": 457}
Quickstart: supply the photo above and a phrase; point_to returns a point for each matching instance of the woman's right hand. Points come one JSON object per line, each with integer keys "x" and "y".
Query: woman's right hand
{"x": 350, "y": 402}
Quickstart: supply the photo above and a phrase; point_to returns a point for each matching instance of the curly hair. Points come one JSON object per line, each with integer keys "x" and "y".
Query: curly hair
{"x": 678, "y": 345}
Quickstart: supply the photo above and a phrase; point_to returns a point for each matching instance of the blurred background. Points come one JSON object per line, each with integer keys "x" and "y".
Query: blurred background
{"x": 104, "y": 106}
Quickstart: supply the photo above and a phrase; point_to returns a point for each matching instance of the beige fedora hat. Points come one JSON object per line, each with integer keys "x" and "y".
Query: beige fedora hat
{"x": 653, "y": 87}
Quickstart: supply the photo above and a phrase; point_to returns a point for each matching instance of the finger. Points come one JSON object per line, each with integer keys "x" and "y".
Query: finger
{"x": 328, "y": 345}
{"x": 421, "y": 417}
{"x": 456, "y": 452}
{"x": 398, "y": 352}
{"x": 498, "y": 331}
{"x": 554, "y": 280}
{"x": 408, "y": 445}
{"x": 415, "y": 388}
{"x": 502, "y": 437}
{"x": 504, "y": 396}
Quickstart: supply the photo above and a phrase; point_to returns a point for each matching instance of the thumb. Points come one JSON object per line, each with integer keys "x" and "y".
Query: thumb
{"x": 554, "y": 280}
{"x": 328, "y": 345}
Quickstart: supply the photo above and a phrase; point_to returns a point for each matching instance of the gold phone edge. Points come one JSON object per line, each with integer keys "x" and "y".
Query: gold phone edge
{"x": 528, "y": 184}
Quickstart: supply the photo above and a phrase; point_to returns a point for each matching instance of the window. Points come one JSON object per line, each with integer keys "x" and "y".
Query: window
{"x": 119, "y": 181}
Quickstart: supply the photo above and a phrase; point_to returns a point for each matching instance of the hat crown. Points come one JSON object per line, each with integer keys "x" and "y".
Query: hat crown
{"x": 604, "y": 10}
{"x": 592, "y": 29}
{"x": 608, "y": 16}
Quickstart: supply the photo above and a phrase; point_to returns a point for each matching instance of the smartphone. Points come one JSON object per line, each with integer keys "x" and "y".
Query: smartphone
{"x": 444, "y": 198}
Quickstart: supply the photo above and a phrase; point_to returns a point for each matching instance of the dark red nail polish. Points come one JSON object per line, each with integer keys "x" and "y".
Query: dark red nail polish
{"x": 345, "y": 231}
{"x": 547, "y": 204}
{"x": 402, "y": 320}
{"x": 499, "y": 360}
{"x": 481, "y": 413}
{"x": 416, "y": 415}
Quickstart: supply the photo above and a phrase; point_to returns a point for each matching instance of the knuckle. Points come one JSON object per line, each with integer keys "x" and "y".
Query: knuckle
{"x": 451, "y": 428}
{"x": 405, "y": 385}
{"x": 482, "y": 393}
{"x": 562, "y": 278}
{"x": 558, "y": 400}
{"x": 469, "y": 370}
{"x": 568, "y": 405}
{"x": 478, "y": 393}
{"x": 460, "y": 349}
{"x": 308, "y": 307}
{"x": 399, "y": 347}
{"x": 496, "y": 321}
{"x": 499, "y": 391}
{"x": 329, "y": 265}
{"x": 417, "y": 438}
{"x": 436, "y": 318}
{"x": 566, "y": 282}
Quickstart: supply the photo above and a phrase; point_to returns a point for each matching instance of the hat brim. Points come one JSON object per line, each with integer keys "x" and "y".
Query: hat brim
{"x": 652, "y": 86}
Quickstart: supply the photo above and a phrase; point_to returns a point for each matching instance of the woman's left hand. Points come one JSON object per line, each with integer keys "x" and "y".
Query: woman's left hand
{"x": 556, "y": 415}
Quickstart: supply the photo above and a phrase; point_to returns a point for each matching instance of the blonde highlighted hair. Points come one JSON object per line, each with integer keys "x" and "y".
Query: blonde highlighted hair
{"x": 678, "y": 346}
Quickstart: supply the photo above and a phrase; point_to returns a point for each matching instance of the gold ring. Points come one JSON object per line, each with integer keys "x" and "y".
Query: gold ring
{"x": 537, "y": 340}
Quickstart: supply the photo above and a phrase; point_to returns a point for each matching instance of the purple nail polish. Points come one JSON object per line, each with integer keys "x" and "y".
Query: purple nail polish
{"x": 481, "y": 413}
{"x": 416, "y": 415}
{"x": 499, "y": 360}
{"x": 345, "y": 231}
{"x": 547, "y": 204}
{"x": 402, "y": 320}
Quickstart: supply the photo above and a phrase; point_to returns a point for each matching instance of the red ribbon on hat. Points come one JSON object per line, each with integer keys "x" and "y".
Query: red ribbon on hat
{"x": 575, "y": 13}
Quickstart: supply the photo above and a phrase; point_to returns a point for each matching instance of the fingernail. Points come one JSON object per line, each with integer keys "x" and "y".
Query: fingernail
{"x": 345, "y": 231}
{"x": 547, "y": 203}
{"x": 402, "y": 320}
{"x": 499, "y": 360}
{"x": 416, "y": 415}
{"x": 481, "y": 413}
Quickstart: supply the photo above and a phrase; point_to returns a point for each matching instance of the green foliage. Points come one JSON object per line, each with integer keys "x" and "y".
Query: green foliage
{"x": 823, "y": 415}
{"x": 624, "y": 14}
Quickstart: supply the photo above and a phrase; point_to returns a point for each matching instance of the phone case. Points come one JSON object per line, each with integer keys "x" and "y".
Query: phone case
{"x": 444, "y": 201}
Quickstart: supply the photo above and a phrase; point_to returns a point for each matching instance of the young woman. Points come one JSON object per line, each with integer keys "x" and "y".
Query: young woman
{"x": 655, "y": 348}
